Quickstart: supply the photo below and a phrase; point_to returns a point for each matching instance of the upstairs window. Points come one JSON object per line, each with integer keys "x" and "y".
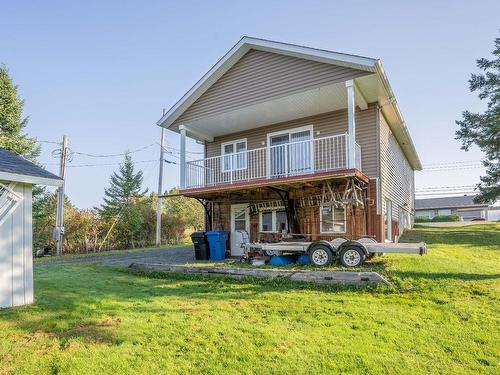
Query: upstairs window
{"x": 332, "y": 219}
{"x": 234, "y": 155}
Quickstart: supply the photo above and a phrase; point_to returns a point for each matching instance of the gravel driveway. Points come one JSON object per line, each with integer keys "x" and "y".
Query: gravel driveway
{"x": 180, "y": 254}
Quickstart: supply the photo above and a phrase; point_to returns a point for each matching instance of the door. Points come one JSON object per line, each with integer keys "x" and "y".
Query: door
{"x": 240, "y": 221}
{"x": 290, "y": 152}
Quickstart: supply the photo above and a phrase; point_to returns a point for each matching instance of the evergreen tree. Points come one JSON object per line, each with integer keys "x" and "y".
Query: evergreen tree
{"x": 483, "y": 129}
{"x": 12, "y": 122}
{"x": 125, "y": 186}
{"x": 123, "y": 202}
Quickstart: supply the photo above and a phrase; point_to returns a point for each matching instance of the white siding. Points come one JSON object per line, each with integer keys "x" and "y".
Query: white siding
{"x": 397, "y": 176}
{"x": 16, "y": 258}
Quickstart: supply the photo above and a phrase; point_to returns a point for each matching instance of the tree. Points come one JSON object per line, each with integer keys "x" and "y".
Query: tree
{"x": 483, "y": 129}
{"x": 122, "y": 201}
{"x": 12, "y": 122}
{"x": 125, "y": 186}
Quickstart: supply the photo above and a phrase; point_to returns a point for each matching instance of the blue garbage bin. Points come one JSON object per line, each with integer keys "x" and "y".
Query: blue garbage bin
{"x": 217, "y": 240}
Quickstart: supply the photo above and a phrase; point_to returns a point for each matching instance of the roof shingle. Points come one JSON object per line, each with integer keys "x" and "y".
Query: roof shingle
{"x": 447, "y": 202}
{"x": 13, "y": 163}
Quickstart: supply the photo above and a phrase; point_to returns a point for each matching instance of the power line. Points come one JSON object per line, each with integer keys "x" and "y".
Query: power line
{"x": 453, "y": 162}
{"x": 114, "y": 155}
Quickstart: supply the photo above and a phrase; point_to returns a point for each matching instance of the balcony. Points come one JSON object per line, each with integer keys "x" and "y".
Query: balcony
{"x": 279, "y": 161}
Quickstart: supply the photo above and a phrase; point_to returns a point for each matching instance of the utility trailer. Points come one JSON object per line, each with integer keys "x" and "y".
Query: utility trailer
{"x": 322, "y": 253}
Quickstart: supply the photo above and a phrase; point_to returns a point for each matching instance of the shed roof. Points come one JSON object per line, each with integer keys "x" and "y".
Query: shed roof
{"x": 447, "y": 202}
{"x": 16, "y": 168}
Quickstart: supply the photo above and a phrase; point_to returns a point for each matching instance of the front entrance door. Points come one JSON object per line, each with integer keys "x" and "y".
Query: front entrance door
{"x": 240, "y": 221}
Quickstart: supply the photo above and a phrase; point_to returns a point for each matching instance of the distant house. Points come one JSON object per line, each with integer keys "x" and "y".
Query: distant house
{"x": 462, "y": 206}
{"x": 17, "y": 177}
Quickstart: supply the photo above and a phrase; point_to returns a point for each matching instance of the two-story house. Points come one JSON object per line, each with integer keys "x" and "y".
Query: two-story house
{"x": 297, "y": 140}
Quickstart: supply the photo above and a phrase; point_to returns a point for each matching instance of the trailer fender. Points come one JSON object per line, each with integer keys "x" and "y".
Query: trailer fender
{"x": 351, "y": 243}
{"x": 321, "y": 242}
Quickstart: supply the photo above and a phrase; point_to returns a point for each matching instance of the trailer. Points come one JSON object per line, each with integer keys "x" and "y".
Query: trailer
{"x": 351, "y": 253}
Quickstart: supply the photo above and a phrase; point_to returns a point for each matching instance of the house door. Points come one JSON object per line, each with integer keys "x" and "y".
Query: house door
{"x": 240, "y": 221}
{"x": 290, "y": 152}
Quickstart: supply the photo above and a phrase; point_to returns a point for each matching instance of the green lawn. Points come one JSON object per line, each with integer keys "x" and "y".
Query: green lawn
{"x": 441, "y": 315}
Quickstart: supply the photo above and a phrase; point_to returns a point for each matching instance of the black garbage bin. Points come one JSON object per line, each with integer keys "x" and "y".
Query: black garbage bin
{"x": 201, "y": 249}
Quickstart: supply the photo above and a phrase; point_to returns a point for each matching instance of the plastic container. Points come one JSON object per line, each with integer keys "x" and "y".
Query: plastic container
{"x": 282, "y": 260}
{"x": 217, "y": 241}
{"x": 304, "y": 260}
{"x": 201, "y": 250}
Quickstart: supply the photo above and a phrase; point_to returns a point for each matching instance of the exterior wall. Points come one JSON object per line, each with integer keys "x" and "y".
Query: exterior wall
{"x": 16, "y": 258}
{"x": 260, "y": 76}
{"x": 396, "y": 176}
{"x": 327, "y": 124}
{"x": 425, "y": 213}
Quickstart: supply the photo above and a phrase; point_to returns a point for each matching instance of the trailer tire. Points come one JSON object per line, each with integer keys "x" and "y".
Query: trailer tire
{"x": 352, "y": 256}
{"x": 320, "y": 256}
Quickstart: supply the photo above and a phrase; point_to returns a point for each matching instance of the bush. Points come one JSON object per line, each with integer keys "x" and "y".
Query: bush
{"x": 422, "y": 219}
{"x": 445, "y": 218}
{"x": 437, "y": 219}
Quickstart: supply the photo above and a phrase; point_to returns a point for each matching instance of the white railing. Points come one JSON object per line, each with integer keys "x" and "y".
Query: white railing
{"x": 290, "y": 159}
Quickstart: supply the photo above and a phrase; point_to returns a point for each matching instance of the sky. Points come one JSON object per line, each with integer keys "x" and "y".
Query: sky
{"x": 101, "y": 72}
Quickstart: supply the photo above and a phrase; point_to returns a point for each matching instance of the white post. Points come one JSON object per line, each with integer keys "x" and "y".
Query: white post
{"x": 182, "y": 130}
{"x": 351, "y": 111}
{"x": 160, "y": 192}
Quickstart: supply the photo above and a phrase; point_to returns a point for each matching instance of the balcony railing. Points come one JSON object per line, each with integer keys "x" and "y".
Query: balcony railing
{"x": 284, "y": 160}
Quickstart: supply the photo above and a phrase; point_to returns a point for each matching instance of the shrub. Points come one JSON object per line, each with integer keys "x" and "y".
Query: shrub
{"x": 422, "y": 219}
{"x": 444, "y": 218}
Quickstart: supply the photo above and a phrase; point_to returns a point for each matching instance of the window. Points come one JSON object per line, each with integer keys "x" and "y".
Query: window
{"x": 332, "y": 219}
{"x": 266, "y": 222}
{"x": 234, "y": 155}
{"x": 281, "y": 221}
{"x": 273, "y": 221}
{"x": 240, "y": 220}
{"x": 9, "y": 200}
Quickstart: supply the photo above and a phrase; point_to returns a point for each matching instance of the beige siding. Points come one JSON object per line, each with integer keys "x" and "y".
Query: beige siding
{"x": 397, "y": 176}
{"x": 259, "y": 76}
{"x": 327, "y": 124}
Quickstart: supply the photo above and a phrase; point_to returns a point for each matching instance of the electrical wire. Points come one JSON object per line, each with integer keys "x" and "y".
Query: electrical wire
{"x": 114, "y": 155}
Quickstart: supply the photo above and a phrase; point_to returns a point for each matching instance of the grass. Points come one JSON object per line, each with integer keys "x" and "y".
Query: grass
{"x": 102, "y": 253}
{"x": 439, "y": 316}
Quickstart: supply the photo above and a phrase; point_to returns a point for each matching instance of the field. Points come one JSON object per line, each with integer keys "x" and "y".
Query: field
{"x": 441, "y": 315}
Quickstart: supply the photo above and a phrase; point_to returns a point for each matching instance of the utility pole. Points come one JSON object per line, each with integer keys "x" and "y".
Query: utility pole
{"x": 59, "y": 229}
{"x": 160, "y": 190}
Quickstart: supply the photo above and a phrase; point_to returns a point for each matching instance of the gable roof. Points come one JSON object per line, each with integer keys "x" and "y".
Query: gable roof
{"x": 16, "y": 168}
{"x": 447, "y": 202}
{"x": 389, "y": 107}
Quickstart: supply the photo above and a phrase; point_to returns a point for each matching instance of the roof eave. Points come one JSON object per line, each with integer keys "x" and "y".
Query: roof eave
{"x": 414, "y": 159}
{"x": 27, "y": 179}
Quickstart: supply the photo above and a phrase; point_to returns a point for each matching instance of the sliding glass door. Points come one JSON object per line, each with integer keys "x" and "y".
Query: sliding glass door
{"x": 290, "y": 152}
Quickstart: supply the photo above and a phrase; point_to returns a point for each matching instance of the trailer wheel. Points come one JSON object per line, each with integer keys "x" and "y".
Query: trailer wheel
{"x": 352, "y": 256}
{"x": 320, "y": 256}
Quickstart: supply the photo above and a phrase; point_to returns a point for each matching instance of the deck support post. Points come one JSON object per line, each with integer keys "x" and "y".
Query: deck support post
{"x": 182, "y": 130}
{"x": 351, "y": 129}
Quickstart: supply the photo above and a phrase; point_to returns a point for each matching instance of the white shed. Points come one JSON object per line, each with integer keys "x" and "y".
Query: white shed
{"x": 17, "y": 177}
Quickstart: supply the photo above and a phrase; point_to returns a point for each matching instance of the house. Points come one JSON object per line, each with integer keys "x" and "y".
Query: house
{"x": 296, "y": 139}
{"x": 17, "y": 177}
{"x": 462, "y": 206}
